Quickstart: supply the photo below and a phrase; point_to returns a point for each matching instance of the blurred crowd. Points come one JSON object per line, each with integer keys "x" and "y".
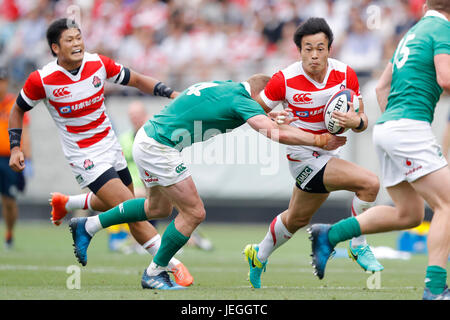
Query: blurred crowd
{"x": 182, "y": 42}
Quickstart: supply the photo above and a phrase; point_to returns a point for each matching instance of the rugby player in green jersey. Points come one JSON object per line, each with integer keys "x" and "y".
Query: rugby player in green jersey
{"x": 200, "y": 112}
{"x": 413, "y": 167}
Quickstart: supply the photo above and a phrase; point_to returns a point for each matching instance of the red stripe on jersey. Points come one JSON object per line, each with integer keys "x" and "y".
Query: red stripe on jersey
{"x": 94, "y": 139}
{"x": 352, "y": 81}
{"x": 59, "y": 78}
{"x": 91, "y": 125}
{"x": 308, "y": 114}
{"x": 112, "y": 69}
{"x": 300, "y": 82}
{"x": 76, "y": 109}
{"x": 90, "y": 67}
{"x": 33, "y": 87}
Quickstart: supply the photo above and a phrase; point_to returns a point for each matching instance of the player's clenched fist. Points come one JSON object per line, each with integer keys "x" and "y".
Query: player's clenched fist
{"x": 329, "y": 141}
{"x": 17, "y": 160}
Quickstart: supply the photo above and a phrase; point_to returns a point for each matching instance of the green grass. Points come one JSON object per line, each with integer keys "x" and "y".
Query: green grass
{"x": 36, "y": 269}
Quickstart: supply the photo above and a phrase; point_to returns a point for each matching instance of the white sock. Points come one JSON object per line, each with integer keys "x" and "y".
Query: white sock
{"x": 153, "y": 269}
{"x": 79, "y": 201}
{"x": 152, "y": 247}
{"x": 358, "y": 207}
{"x": 93, "y": 225}
{"x": 275, "y": 237}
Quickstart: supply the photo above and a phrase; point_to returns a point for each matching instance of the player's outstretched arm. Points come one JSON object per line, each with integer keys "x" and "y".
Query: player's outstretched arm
{"x": 287, "y": 134}
{"x": 384, "y": 87}
{"x": 17, "y": 159}
{"x": 151, "y": 85}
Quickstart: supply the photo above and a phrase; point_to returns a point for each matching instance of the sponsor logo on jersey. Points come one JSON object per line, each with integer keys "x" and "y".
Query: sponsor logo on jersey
{"x": 65, "y": 109}
{"x": 306, "y": 172}
{"x": 81, "y": 105}
{"x": 302, "y": 98}
{"x": 315, "y": 154}
{"x": 61, "y": 92}
{"x": 309, "y": 113}
{"x": 96, "y": 82}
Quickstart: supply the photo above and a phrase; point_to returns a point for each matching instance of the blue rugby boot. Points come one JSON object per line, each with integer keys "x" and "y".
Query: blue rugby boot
{"x": 364, "y": 256}
{"x": 322, "y": 249}
{"x": 427, "y": 295}
{"x": 160, "y": 281}
{"x": 81, "y": 239}
{"x": 256, "y": 266}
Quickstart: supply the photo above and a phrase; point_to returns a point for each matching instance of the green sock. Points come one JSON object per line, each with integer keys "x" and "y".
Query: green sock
{"x": 171, "y": 241}
{"x": 435, "y": 279}
{"x": 344, "y": 230}
{"x": 128, "y": 211}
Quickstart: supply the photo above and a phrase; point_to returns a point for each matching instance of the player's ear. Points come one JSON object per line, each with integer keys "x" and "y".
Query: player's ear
{"x": 55, "y": 49}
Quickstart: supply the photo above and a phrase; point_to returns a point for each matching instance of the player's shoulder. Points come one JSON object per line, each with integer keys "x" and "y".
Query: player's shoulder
{"x": 338, "y": 65}
{"x": 292, "y": 70}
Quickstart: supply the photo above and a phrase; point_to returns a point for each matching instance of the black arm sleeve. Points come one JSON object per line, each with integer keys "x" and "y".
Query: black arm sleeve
{"x": 20, "y": 101}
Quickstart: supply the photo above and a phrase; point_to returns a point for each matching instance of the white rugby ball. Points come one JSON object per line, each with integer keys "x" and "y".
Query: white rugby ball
{"x": 339, "y": 102}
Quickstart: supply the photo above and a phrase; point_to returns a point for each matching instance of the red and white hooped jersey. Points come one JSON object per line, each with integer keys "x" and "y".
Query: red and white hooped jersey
{"x": 76, "y": 102}
{"x": 307, "y": 98}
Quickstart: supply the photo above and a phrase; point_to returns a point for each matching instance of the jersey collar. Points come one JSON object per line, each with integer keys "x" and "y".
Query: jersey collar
{"x": 76, "y": 77}
{"x": 247, "y": 87}
{"x": 434, "y": 13}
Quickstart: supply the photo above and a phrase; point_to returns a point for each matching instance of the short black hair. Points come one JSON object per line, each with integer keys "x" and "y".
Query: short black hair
{"x": 56, "y": 28}
{"x": 313, "y": 26}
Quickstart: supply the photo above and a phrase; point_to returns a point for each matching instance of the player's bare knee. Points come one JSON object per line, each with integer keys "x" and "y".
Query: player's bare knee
{"x": 370, "y": 188}
{"x": 409, "y": 219}
{"x": 197, "y": 215}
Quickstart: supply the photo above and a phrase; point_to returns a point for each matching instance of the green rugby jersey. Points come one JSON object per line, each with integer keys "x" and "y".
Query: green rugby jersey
{"x": 202, "y": 111}
{"x": 414, "y": 89}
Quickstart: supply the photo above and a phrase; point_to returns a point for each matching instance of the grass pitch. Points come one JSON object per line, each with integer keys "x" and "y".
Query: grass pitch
{"x": 37, "y": 269}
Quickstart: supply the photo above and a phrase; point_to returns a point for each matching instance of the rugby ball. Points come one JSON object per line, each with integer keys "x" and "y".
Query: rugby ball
{"x": 339, "y": 102}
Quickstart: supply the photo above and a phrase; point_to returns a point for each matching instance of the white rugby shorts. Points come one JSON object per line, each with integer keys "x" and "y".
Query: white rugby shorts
{"x": 88, "y": 167}
{"x": 407, "y": 150}
{"x": 305, "y": 162}
{"x": 158, "y": 164}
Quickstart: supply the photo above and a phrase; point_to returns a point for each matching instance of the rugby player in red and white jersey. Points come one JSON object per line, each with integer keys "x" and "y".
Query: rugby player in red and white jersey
{"x": 72, "y": 89}
{"x": 304, "y": 87}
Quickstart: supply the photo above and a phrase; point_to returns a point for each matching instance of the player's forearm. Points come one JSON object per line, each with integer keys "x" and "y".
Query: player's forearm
{"x": 293, "y": 136}
{"x": 150, "y": 85}
{"x": 16, "y": 118}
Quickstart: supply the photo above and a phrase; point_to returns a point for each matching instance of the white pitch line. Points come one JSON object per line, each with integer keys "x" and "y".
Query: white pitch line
{"x": 132, "y": 270}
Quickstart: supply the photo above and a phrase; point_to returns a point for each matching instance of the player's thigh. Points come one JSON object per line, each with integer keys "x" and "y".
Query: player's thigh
{"x": 302, "y": 206}
{"x": 408, "y": 202}
{"x": 114, "y": 192}
{"x": 344, "y": 175}
{"x": 158, "y": 204}
{"x": 435, "y": 188}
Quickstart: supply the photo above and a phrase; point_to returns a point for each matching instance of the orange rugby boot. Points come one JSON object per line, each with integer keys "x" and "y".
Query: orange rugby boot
{"x": 59, "y": 211}
{"x": 182, "y": 275}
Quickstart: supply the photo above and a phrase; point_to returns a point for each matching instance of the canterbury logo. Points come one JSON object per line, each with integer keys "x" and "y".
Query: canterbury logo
{"x": 61, "y": 92}
{"x": 302, "y": 98}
